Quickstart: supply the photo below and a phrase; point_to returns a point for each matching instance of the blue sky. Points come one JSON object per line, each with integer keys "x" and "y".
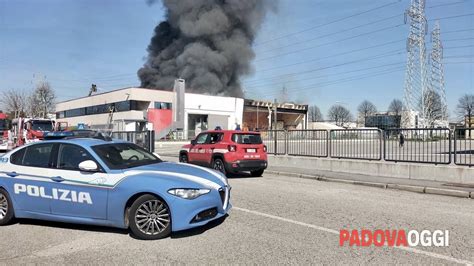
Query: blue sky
{"x": 73, "y": 43}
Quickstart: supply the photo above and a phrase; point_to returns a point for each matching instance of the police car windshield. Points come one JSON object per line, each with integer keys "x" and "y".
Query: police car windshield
{"x": 124, "y": 155}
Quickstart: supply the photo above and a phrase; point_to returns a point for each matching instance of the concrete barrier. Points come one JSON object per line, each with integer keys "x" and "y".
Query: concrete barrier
{"x": 440, "y": 173}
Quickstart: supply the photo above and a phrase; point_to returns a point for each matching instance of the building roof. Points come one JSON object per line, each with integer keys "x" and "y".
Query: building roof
{"x": 292, "y": 106}
{"x": 100, "y": 93}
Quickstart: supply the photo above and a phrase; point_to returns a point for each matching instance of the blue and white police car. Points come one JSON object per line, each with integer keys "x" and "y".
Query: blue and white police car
{"x": 109, "y": 183}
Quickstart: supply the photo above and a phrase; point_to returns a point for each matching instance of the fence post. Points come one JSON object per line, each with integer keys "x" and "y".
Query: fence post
{"x": 381, "y": 137}
{"x": 275, "y": 142}
{"x": 329, "y": 144}
{"x": 151, "y": 140}
{"x": 450, "y": 146}
{"x": 455, "y": 146}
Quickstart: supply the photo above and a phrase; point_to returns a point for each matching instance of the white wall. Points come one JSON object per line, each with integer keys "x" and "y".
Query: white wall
{"x": 231, "y": 107}
{"x": 216, "y": 106}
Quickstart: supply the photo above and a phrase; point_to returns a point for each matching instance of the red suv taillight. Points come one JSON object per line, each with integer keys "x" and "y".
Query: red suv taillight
{"x": 232, "y": 148}
{"x": 265, "y": 148}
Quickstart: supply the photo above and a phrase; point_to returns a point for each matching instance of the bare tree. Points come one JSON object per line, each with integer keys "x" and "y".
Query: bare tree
{"x": 14, "y": 102}
{"x": 314, "y": 114}
{"x": 465, "y": 109}
{"x": 396, "y": 107}
{"x": 365, "y": 109}
{"x": 433, "y": 108}
{"x": 42, "y": 100}
{"x": 339, "y": 114}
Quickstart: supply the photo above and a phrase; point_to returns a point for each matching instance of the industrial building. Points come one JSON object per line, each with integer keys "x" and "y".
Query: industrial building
{"x": 183, "y": 114}
{"x": 383, "y": 121}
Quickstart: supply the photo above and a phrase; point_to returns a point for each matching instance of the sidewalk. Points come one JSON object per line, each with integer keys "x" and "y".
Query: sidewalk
{"x": 420, "y": 186}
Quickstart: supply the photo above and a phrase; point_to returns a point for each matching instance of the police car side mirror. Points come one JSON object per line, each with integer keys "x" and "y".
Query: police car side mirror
{"x": 88, "y": 166}
{"x": 193, "y": 142}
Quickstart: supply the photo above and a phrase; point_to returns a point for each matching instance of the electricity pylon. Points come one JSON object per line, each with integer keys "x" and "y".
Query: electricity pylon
{"x": 437, "y": 74}
{"x": 415, "y": 78}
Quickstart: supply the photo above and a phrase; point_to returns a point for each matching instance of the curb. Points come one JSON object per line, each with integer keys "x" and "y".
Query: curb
{"x": 410, "y": 188}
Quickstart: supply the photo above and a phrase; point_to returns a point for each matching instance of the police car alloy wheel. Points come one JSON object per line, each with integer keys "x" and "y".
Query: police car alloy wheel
{"x": 6, "y": 208}
{"x": 150, "y": 218}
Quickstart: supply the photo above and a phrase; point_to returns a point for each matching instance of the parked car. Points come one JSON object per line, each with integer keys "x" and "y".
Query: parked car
{"x": 109, "y": 183}
{"x": 227, "y": 151}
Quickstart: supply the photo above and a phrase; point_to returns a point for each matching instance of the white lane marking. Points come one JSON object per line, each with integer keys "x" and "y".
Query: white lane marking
{"x": 408, "y": 249}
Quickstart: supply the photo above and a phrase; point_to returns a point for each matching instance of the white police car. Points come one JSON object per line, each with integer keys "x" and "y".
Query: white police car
{"x": 109, "y": 183}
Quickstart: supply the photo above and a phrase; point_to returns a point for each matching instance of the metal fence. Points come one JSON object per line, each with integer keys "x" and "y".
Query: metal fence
{"x": 362, "y": 144}
{"x": 275, "y": 140}
{"x": 418, "y": 145}
{"x": 430, "y": 146}
{"x": 307, "y": 143}
{"x": 144, "y": 139}
{"x": 464, "y": 147}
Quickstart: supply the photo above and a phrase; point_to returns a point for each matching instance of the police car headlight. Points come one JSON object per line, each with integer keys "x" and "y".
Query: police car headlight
{"x": 186, "y": 193}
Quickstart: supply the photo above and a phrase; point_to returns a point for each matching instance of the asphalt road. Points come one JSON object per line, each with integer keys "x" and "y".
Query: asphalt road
{"x": 275, "y": 219}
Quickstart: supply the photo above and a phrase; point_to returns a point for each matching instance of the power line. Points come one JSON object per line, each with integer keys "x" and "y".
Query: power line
{"x": 446, "y": 4}
{"x": 329, "y": 23}
{"x": 465, "y": 62}
{"x": 332, "y": 42}
{"x": 328, "y": 75}
{"x": 458, "y": 47}
{"x": 451, "y": 17}
{"x": 334, "y": 33}
{"x": 454, "y": 31}
{"x": 461, "y": 39}
{"x": 334, "y": 55}
{"x": 353, "y": 78}
{"x": 459, "y": 56}
{"x": 104, "y": 78}
{"x": 390, "y": 53}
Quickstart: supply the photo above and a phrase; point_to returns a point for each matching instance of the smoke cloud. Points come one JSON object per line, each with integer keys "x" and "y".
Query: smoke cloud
{"x": 206, "y": 42}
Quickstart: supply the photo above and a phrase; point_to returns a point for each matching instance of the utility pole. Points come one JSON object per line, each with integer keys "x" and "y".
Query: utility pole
{"x": 415, "y": 79}
{"x": 437, "y": 71}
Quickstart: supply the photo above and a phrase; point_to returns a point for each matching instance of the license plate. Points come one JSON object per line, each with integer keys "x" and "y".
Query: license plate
{"x": 251, "y": 150}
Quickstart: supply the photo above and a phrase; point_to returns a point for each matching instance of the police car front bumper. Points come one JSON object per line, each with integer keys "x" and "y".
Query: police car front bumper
{"x": 202, "y": 210}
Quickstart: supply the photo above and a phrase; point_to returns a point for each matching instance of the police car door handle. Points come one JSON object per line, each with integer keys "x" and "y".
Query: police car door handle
{"x": 57, "y": 179}
{"x": 12, "y": 174}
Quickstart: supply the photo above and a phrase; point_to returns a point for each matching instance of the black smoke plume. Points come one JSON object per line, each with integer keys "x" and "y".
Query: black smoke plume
{"x": 206, "y": 42}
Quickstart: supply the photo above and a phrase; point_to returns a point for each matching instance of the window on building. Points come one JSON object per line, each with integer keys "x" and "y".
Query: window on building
{"x": 105, "y": 108}
{"x": 162, "y": 105}
{"x": 60, "y": 114}
{"x": 122, "y": 106}
{"x": 75, "y": 112}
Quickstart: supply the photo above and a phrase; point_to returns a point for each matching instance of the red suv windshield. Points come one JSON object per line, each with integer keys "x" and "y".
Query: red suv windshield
{"x": 243, "y": 138}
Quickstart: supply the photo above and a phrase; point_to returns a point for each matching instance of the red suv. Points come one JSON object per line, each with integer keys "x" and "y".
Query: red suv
{"x": 228, "y": 151}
